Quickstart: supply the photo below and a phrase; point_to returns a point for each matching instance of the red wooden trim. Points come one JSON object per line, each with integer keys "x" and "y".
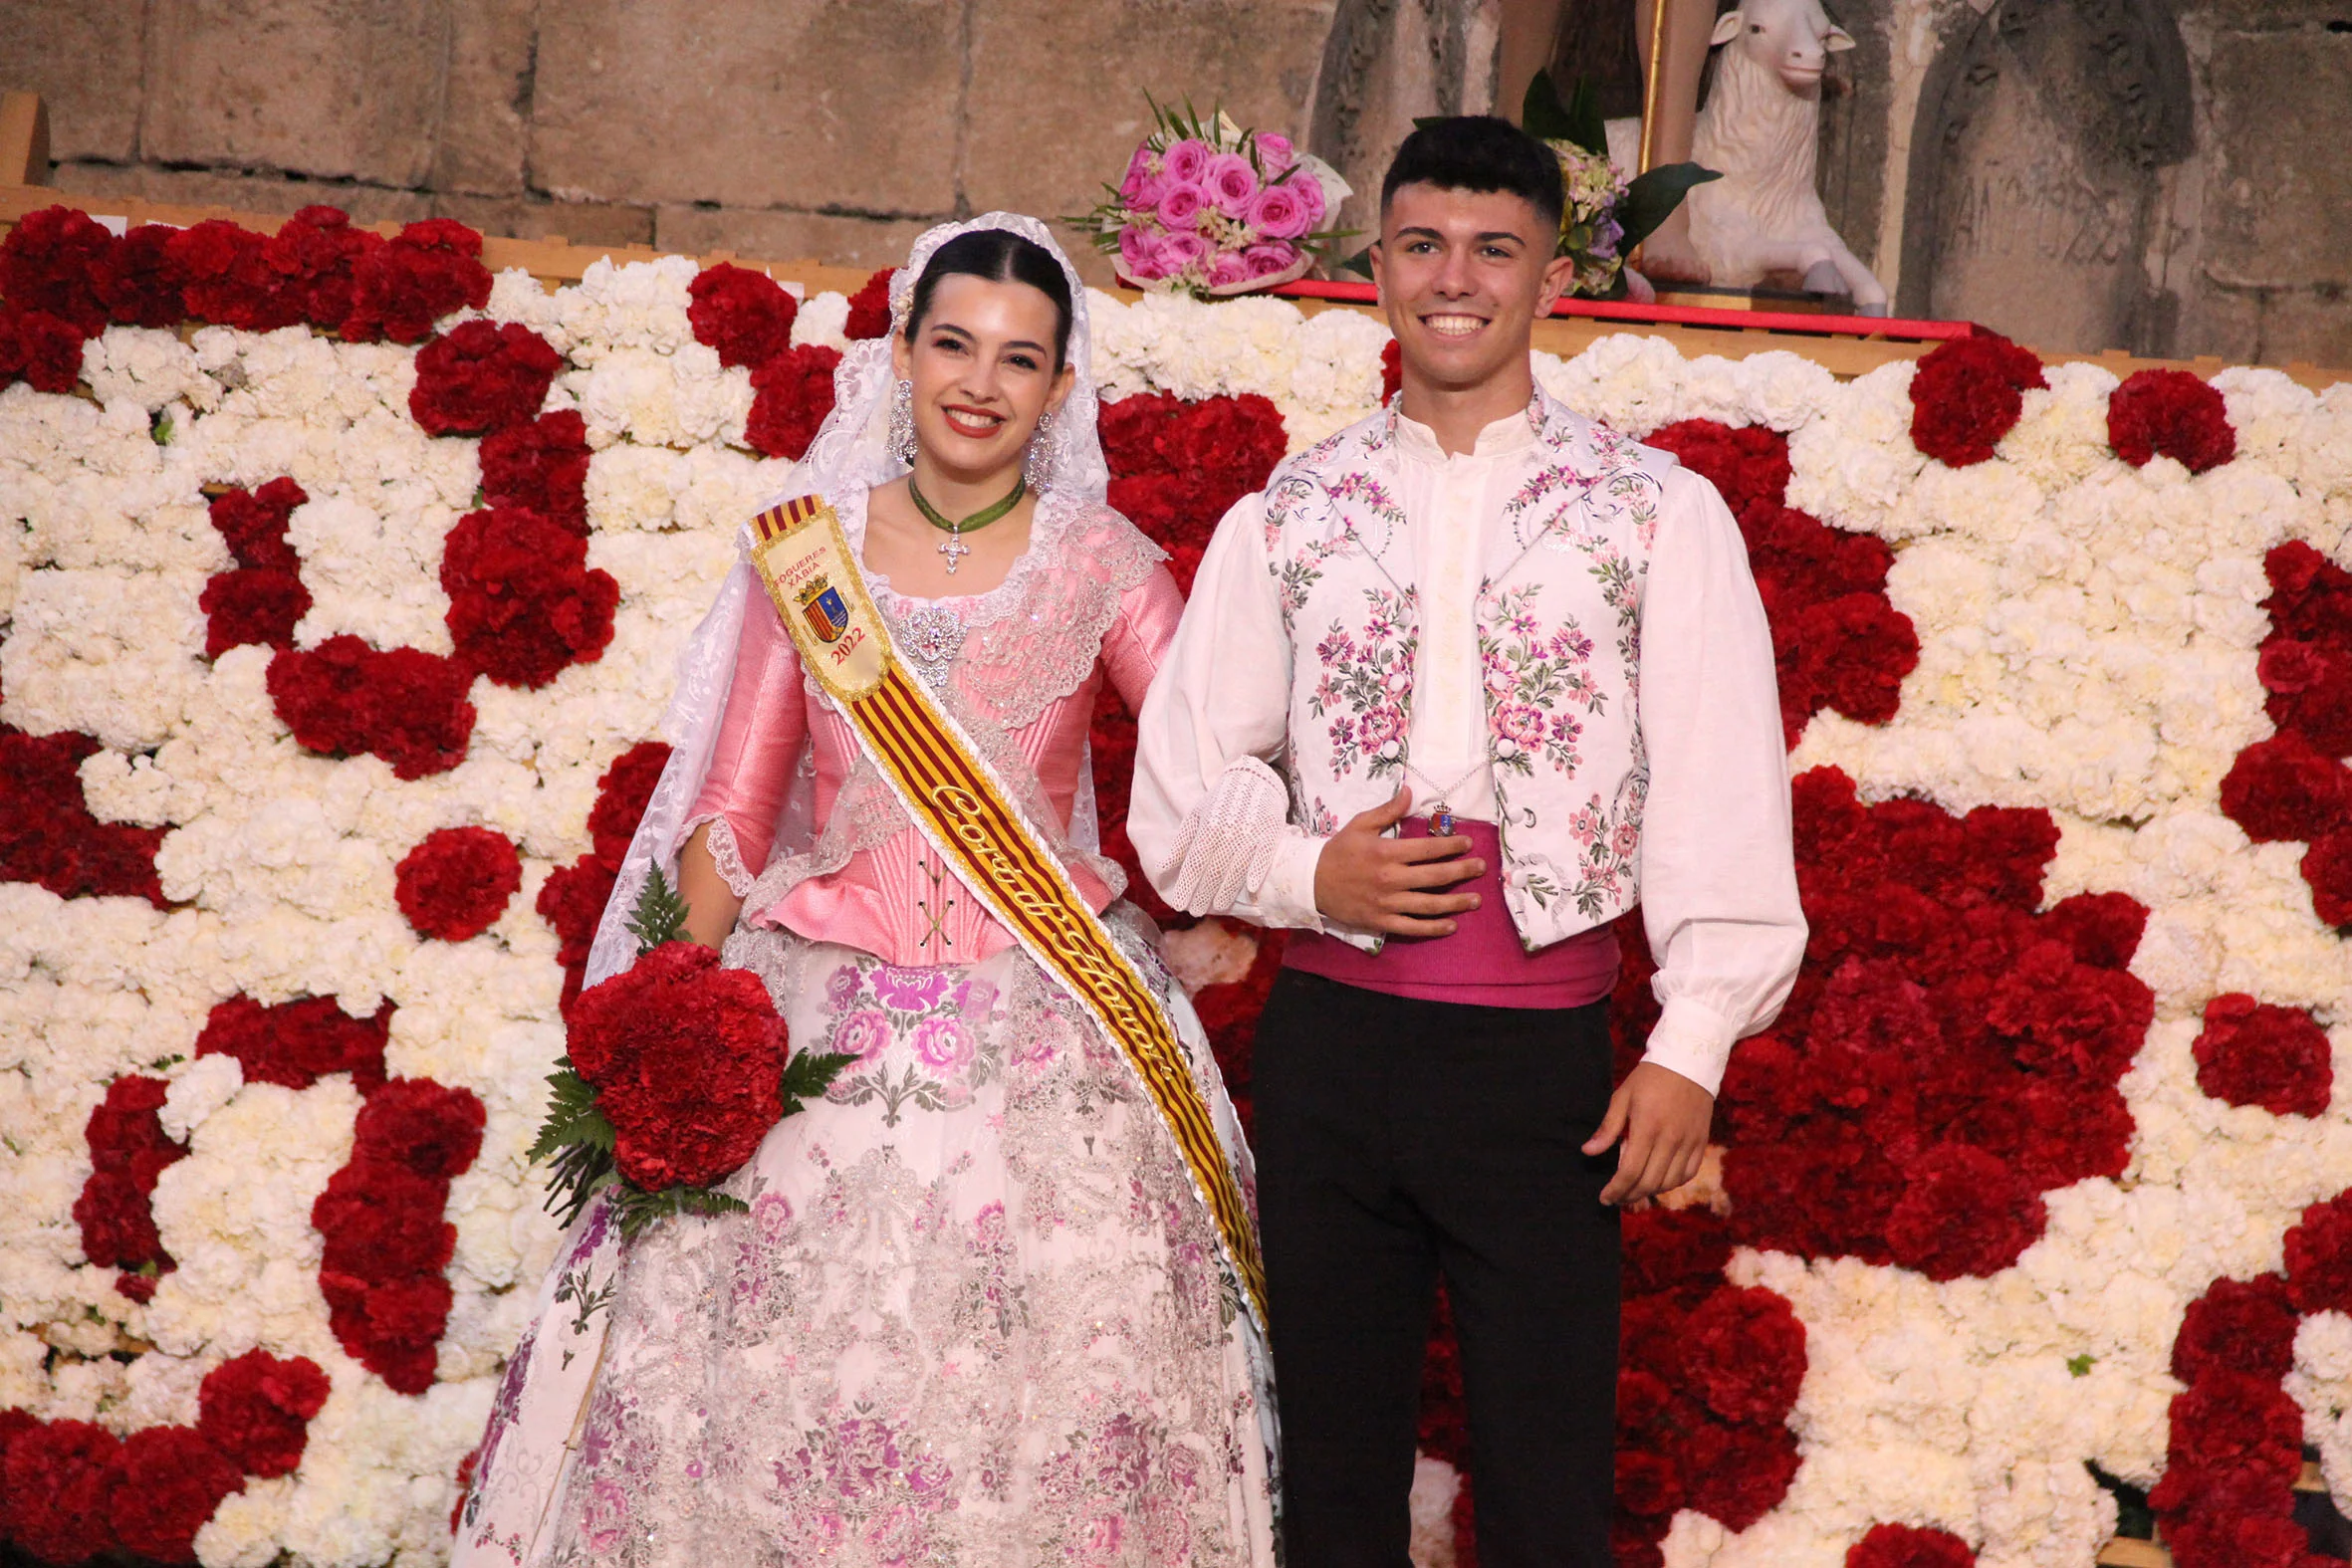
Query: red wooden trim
{"x": 1342, "y": 292}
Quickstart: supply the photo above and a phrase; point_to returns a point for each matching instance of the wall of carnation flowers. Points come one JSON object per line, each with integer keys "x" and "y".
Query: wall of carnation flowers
{"x": 341, "y": 583}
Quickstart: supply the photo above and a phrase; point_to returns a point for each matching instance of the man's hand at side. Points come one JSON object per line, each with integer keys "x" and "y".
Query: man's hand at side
{"x": 1663, "y": 1118}
{"x": 1374, "y": 883}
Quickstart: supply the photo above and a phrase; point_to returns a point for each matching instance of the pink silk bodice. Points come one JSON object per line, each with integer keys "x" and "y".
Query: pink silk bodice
{"x": 1088, "y": 601}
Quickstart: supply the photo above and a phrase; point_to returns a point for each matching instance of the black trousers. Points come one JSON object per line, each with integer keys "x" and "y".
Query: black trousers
{"x": 1397, "y": 1138}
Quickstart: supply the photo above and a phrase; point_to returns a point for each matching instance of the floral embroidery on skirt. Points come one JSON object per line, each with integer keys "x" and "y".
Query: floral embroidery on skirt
{"x": 975, "y": 1315}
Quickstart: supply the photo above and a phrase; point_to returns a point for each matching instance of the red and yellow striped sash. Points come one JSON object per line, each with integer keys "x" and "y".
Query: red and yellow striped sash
{"x": 960, "y": 805}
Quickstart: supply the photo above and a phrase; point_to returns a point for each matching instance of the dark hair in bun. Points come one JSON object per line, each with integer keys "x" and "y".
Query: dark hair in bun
{"x": 1000, "y": 255}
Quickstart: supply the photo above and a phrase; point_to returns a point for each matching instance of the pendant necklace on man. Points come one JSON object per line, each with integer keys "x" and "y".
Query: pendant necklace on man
{"x": 954, "y": 549}
{"x": 1441, "y": 816}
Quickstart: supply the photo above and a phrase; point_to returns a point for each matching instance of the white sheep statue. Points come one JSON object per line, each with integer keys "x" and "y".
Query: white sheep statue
{"x": 1761, "y": 130}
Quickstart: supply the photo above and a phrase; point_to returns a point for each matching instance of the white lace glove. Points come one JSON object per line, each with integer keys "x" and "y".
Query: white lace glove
{"x": 1226, "y": 847}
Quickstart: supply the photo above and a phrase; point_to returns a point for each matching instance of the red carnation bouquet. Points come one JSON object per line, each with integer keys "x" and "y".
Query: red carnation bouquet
{"x": 673, "y": 1073}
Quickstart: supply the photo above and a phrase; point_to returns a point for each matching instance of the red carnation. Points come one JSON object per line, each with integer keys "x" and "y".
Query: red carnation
{"x": 2254, "y": 1053}
{"x": 1177, "y": 466}
{"x": 2310, "y": 595}
{"x": 1648, "y": 1485}
{"x": 226, "y": 280}
{"x": 2066, "y": 1018}
{"x": 1903, "y": 1546}
{"x": 541, "y": 467}
{"x": 400, "y": 290}
{"x": 522, "y": 603}
{"x": 2319, "y": 1257}
{"x": 869, "y": 308}
{"x": 1849, "y": 653}
{"x": 296, "y": 1043}
{"x": 1392, "y": 371}
{"x": 251, "y": 606}
{"x": 257, "y": 1409}
{"x": 1964, "y": 1213}
{"x": 1747, "y": 465}
{"x": 481, "y": 375}
{"x": 573, "y": 898}
{"x": 457, "y": 881}
{"x": 254, "y": 523}
{"x": 2327, "y": 867}
{"x": 390, "y": 1329}
{"x": 52, "y": 260}
{"x": 49, "y": 838}
{"x": 118, "y": 1223}
{"x": 2242, "y": 1540}
{"x": 169, "y": 1482}
{"x": 2103, "y": 929}
{"x": 2307, "y": 688}
{"x": 1967, "y": 395}
{"x": 621, "y": 795}
{"x": 2229, "y": 1427}
{"x": 2172, "y": 413}
{"x": 1745, "y": 1354}
{"x": 2283, "y": 789}
{"x": 406, "y": 706}
{"x": 571, "y": 901}
{"x": 1737, "y": 1474}
{"x": 128, "y": 1152}
{"x": 793, "y": 392}
{"x": 56, "y": 1491}
{"x": 686, "y": 1058}
{"x": 40, "y": 350}
{"x": 382, "y": 1222}
{"x": 315, "y": 255}
{"x": 432, "y": 1129}
{"x": 2245, "y": 1326}
{"x": 746, "y": 315}
{"x": 140, "y": 283}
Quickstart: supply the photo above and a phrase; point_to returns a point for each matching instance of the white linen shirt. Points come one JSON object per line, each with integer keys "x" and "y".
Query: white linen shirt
{"x": 1715, "y": 875}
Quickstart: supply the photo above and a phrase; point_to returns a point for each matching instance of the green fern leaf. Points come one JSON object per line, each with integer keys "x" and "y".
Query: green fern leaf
{"x": 572, "y": 1116}
{"x": 660, "y": 915}
{"x": 809, "y": 1074}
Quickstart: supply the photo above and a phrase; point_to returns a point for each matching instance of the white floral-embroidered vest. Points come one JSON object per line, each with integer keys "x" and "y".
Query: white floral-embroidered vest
{"x": 1558, "y": 637}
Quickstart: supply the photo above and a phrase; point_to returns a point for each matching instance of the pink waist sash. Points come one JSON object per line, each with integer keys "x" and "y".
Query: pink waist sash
{"x": 1482, "y": 963}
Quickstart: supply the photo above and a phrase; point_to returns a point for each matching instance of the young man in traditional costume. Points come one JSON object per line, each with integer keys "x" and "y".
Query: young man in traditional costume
{"x": 1514, "y": 675}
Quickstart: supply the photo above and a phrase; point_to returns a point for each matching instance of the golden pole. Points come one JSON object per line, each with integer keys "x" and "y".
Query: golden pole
{"x": 1652, "y": 79}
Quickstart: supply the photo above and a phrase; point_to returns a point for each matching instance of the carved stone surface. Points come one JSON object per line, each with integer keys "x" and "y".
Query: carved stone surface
{"x": 261, "y": 193}
{"x": 487, "y": 99}
{"x": 1857, "y": 121}
{"x": 786, "y": 236}
{"x": 1058, "y": 89}
{"x": 2165, "y": 175}
{"x": 335, "y": 88}
{"x": 84, "y": 58}
{"x": 2035, "y": 185}
{"x": 533, "y": 218}
{"x": 753, "y": 103}
{"x": 1386, "y": 62}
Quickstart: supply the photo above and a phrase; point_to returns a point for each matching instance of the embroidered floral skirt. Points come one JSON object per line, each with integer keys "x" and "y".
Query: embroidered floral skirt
{"x": 975, "y": 1315}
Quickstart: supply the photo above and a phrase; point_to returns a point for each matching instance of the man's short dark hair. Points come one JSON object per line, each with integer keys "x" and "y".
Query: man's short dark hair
{"x": 1480, "y": 153}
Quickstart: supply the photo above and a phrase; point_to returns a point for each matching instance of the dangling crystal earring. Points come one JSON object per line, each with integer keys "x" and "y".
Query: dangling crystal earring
{"x": 902, "y": 422}
{"x": 1039, "y": 464}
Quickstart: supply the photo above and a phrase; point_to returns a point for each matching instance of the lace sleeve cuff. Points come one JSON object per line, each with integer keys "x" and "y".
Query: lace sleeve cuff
{"x": 724, "y": 853}
{"x": 1225, "y": 848}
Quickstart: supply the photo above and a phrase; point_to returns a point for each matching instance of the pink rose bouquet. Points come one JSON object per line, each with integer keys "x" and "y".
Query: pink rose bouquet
{"x": 1209, "y": 208}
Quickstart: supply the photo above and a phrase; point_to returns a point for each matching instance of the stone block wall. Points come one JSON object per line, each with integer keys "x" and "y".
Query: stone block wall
{"x": 832, "y": 129}
{"x": 2166, "y": 176}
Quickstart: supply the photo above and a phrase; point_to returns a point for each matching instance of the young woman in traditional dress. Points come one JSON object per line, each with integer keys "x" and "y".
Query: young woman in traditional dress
{"x": 995, "y": 1297}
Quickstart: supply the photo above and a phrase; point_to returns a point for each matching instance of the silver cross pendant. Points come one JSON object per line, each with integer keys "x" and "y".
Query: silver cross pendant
{"x": 955, "y": 549}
